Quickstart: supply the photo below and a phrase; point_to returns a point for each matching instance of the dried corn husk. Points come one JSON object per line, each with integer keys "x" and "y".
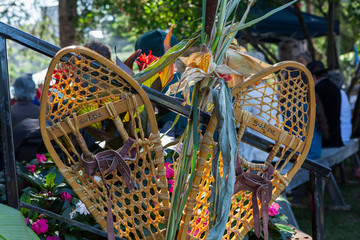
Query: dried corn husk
{"x": 243, "y": 63}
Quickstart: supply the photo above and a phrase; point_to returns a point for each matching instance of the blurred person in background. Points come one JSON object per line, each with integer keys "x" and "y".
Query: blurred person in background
{"x": 24, "y": 94}
{"x": 330, "y": 97}
{"x": 304, "y": 58}
{"x": 99, "y": 47}
{"x": 345, "y": 111}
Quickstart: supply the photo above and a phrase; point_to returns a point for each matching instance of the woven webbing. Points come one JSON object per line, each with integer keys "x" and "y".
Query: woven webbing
{"x": 90, "y": 108}
{"x": 280, "y": 109}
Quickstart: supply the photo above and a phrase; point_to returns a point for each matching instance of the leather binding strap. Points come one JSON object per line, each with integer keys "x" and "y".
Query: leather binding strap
{"x": 261, "y": 188}
{"x": 111, "y": 160}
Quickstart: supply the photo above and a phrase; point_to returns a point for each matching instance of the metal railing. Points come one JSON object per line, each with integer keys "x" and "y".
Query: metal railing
{"x": 7, "y": 157}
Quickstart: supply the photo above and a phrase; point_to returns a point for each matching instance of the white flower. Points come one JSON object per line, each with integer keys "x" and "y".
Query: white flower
{"x": 97, "y": 178}
{"x": 81, "y": 208}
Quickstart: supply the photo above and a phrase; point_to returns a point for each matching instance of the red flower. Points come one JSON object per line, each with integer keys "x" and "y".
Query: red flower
{"x": 41, "y": 158}
{"x": 226, "y": 77}
{"x": 40, "y": 226}
{"x": 65, "y": 196}
{"x": 143, "y": 61}
{"x": 31, "y": 168}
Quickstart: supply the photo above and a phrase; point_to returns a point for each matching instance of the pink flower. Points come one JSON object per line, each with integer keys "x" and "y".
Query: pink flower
{"x": 66, "y": 196}
{"x": 41, "y": 158}
{"x": 171, "y": 183}
{"x": 27, "y": 221}
{"x": 169, "y": 170}
{"x": 40, "y": 226}
{"x": 199, "y": 220}
{"x": 274, "y": 209}
{"x": 52, "y": 238}
{"x": 31, "y": 168}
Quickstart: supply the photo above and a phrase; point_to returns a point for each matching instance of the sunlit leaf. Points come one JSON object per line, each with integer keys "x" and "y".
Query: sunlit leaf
{"x": 13, "y": 225}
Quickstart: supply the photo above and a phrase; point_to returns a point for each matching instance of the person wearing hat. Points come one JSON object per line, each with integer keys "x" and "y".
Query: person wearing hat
{"x": 153, "y": 41}
{"x": 24, "y": 93}
{"x": 330, "y": 97}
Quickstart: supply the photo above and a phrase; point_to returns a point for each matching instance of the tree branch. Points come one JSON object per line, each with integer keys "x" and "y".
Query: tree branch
{"x": 259, "y": 46}
{"x": 306, "y": 32}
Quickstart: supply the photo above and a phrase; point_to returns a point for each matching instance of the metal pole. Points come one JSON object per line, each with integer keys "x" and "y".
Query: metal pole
{"x": 7, "y": 143}
{"x": 317, "y": 206}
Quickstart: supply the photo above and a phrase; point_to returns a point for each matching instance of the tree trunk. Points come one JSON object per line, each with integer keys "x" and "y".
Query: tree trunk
{"x": 354, "y": 80}
{"x": 67, "y": 22}
{"x": 332, "y": 51}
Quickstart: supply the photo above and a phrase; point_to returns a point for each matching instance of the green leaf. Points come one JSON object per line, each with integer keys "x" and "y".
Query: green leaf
{"x": 69, "y": 236}
{"x": 171, "y": 55}
{"x": 284, "y": 228}
{"x": 282, "y": 218}
{"x": 50, "y": 177}
{"x": 26, "y": 199}
{"x": 33, "y": 179}
{"x": 282, "y": 199}
{"x": 248, "y": 24}
{"x": 241, "y": 25}
{"x": 59, "y": 179}
{"x": 13, "y": 225}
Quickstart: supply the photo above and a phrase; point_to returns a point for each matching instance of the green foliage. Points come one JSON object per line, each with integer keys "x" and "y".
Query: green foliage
{"x": 133, "y": 18}
{"x": 11, "y": 12}
{"x": 46, "y": 188}
{"x": 22, "y": 60}
{"x": 278, "y": 227}
{"x": 350, "y": 21}
{"x": 13, "y": 225}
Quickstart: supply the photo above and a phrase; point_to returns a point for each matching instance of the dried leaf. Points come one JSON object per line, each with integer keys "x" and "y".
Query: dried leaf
{"x": 223, "y": 187}
{"x": 167, "y": 73}
{"x": 244, "y": 64}
{"x": 131, "y": 59}
{"x": 125, "y": 68}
